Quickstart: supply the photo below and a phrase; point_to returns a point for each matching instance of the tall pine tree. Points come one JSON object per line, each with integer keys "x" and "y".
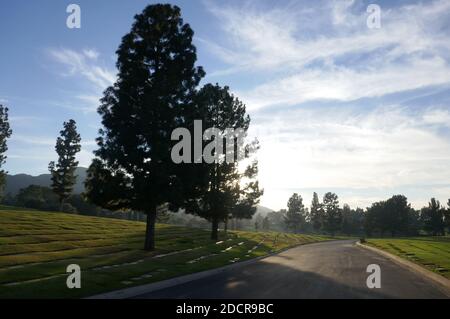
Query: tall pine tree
{"x": 63, "y": 172}
{"x": 316, "y": 215}
{"x": 156, "y": 82}
{"x": 296, "y": 214}
{"x": 332, "y": 213}
{"x": 5, "y": 133}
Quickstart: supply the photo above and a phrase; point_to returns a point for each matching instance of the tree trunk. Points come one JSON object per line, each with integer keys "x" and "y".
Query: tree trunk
{"x": 215, "y": 229}
{"x": 150, "y": 231}
{"x": 225, "y": 225}
{"x": 61, "y": 203}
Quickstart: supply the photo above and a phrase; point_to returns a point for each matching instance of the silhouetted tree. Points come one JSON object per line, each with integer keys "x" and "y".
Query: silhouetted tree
{"x": 316, "y": 214}
{"x": 37, "y": 197}
{"x": 373, "y": 221}
{"x": 248, "y": 195}
{"x": 156, "y": 84}
{"x": 332, "y": 213}
{"x": 433, "y": 218}
{"x": 447, "y": 216}
{"x": 359, "y": 216}
{"x": 62, "y": 173}
{"x": 347, "y": 220}
{"x": 222, "y": 191}
{"x": 393, "y": 216}
{"x": 295, "y": 215}
{"x": 352, "y": 220}
{"x": 5, "y": 133}
{"x": 414, "y": 223}
{"x": 396, "y": 214}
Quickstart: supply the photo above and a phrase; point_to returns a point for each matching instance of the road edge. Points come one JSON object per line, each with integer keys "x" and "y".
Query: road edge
{"x": 441, "y": 281}
{"x": 131, "y": 292}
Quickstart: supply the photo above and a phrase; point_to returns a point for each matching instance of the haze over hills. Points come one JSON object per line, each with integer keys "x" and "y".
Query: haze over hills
{"x": 14, "y": 183}
{"x": 263, "y": 210}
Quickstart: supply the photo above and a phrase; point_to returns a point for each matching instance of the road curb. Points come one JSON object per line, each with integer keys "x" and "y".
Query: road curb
{"x": 148, "y": 288}
{"x": 441, "y": 281}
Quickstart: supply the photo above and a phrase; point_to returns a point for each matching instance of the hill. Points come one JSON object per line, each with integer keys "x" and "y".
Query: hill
{"x": 14, "y": 183}
{"x": 262, "y": 210}
{"x": 36, "y": 247}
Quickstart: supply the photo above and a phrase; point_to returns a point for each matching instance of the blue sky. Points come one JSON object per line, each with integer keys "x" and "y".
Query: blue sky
{"x": 336, "y": 106}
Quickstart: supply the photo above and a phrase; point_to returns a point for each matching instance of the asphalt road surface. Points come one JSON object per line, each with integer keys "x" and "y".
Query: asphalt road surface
{"x": 323, "y": 270}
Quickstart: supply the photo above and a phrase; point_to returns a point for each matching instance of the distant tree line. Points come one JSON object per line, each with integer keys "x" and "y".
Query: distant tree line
{"x": 392, "y": 217}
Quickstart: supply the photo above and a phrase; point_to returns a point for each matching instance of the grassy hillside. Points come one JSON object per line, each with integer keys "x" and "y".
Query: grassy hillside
{"x": 432, "y": 253}
{"x": 36, "y": 247}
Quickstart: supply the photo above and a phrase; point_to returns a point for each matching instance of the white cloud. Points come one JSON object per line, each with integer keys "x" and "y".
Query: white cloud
{"x": 42, "y": 152}
{"x": 304, "y": 49}
{"x": 307, "y": 51}
{"x": 340, "y": 12}
{"x": 91, "y": 53}
{"x": 345, "y": 84}
{"x": 385, "y": 149}
{"x": 80, "y": 64}
{"x": 437, "y": 116}
{"x": 84, "y": 65}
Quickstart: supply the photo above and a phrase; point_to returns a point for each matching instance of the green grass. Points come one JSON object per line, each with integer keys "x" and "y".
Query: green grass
{"x": 432, "y": 253}
{"x": 36, "y": 247}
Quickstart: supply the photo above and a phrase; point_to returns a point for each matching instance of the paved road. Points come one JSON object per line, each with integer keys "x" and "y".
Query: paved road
{"x": 323, "y": 270}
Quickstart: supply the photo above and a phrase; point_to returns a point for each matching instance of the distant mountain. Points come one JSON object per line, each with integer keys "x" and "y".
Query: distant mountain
{"x": 14, "y": 183}
{"x": 263, "y": 210}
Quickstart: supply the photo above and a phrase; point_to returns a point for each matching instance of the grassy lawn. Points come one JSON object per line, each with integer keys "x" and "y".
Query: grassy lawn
{"x": 36, "y": 247}
{"x": 432, "y": 253}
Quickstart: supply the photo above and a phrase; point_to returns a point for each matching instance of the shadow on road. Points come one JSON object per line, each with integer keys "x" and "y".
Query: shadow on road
{"x": 264, "y": 281}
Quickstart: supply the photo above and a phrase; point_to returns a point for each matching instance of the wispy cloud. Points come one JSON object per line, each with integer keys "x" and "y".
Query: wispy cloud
{"x": 91, "y": 53}
{"x": 346, "y": 84}
{"x": 326, "y": 51}
{"x": 24, "y": 120}
{"x": 437, "y": 116}
{"x": 45, "y": 141}
{"x": 302, "y": 57}
{"x": 85, "y": 65}
{"x": 33, "y": 140}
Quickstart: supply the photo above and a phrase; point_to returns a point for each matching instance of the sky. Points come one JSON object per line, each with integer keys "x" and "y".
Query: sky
{"x": 336, "y": 105}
